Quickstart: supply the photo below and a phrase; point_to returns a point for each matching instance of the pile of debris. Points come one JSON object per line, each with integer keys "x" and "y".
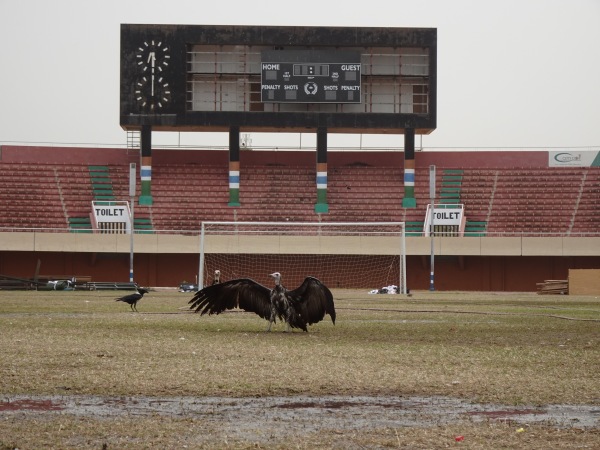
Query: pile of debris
{"x": 392, "y": 289}
{"x": 553, "y": 287}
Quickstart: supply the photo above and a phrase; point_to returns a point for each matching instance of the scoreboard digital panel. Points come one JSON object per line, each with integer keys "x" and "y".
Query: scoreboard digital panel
{"x": 310, "y": 76}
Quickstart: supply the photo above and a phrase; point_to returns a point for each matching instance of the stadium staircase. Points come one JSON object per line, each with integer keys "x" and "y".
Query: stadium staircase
{"x": 101, "y": 183}
{"x": 101, "y": 191}
{"x": 586, "y": 218}
{"x": 451, "y": 186}
{"x": 103, "y": 187}
{"x": 451, "y": 193}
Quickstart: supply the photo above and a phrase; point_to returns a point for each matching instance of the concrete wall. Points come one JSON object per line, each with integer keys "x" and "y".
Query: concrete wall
{"x": 486, "y": 264}
{"x": 168, "y": 243}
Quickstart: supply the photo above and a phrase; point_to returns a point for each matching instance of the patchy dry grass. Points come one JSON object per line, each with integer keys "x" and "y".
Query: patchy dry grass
{"x": 504, "y": 348}
{"x": 135, "y": 433}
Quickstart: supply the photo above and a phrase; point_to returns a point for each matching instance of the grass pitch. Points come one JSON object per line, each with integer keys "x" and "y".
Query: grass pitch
{"x": 510, "y": 349}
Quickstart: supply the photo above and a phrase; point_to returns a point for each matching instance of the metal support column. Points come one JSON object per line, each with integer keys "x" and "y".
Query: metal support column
{"x": 321, "y": 206}
{"x": 234, "y": 166}
{"x": 409, "y": 200}
{"x": 146, "y": 166}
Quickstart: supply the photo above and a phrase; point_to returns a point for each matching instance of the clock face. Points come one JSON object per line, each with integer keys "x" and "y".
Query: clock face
{"x": 152, "y": 93}
{"x": 152, "y": 90}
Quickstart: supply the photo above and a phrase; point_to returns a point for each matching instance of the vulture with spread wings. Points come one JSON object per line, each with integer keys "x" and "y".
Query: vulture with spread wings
{"x": 300, "y": 307}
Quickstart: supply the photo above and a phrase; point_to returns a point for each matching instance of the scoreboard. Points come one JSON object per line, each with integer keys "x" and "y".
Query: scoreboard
{"x": 310, "y": 76}
{"x": 219, "y": 78}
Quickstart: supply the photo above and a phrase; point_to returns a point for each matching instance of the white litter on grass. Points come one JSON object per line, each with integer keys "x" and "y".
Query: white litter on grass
{"x": 391, "y": 289}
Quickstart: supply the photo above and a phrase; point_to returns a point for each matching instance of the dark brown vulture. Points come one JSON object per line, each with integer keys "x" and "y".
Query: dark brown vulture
{"x": 300, "y": 307}
{"x": 132, "y": 299}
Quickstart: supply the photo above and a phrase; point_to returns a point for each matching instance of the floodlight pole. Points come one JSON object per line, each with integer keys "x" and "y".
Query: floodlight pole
{"x": 431, "y": 214}
{"x": 131, "y": 217}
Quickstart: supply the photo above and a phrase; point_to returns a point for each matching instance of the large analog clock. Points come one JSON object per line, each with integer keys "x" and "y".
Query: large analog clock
{"x": 152, "y": 89}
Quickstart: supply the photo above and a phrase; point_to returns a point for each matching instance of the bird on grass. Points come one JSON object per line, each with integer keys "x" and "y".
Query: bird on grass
{"x": 305, "y": 305}
{"x": 132, "y": 299}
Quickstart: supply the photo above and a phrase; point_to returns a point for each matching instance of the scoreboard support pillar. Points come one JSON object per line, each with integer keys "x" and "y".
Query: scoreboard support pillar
{"x": 409, "y": 200}
{"x": 234, "y": 167}
{"x": 146, "y": 166}
{"x": 321, "y": 206}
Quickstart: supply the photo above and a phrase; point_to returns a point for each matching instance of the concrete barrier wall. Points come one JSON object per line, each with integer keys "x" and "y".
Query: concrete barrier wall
{"x": 174, "y": 244}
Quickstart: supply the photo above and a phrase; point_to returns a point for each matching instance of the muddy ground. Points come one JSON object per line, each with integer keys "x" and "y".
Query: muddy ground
{"x": 251, "y": 418}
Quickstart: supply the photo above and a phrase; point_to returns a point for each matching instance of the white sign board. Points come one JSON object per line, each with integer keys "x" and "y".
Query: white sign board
{"x": 110, "y": 213}
{"x": 112, "y": 217}
{"x": 568, "y": 158}
{"x": 447, "y": 216}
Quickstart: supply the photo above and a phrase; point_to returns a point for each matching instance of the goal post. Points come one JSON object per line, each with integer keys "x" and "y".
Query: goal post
{"x": 346, "y": 255}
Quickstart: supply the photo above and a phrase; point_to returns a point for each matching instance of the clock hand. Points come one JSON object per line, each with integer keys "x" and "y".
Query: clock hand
{"x": 151, "y": 58}
{"x": 152, "y": 61}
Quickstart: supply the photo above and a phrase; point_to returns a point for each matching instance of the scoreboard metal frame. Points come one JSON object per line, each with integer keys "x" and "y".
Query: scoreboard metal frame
{"x": 196, "y": 78}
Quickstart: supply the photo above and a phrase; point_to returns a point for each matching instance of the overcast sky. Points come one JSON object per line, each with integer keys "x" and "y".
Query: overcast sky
{"x": 511, "y": 73}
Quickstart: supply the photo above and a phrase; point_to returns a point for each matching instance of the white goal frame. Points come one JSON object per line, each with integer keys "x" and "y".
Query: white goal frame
{"x": 229, "y": 241}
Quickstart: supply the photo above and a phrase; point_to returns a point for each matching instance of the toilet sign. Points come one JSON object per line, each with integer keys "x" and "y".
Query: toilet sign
{"x": 111, "y": 213}
{"x": 447, "y": 216}
{"x": 447, "y": 219}
{"x": 111, "y": 217}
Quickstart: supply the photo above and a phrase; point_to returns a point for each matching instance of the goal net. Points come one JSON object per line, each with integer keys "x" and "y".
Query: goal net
{"x": 364, "y": 255}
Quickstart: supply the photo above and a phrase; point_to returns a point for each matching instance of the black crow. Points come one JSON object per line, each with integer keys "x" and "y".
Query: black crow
{"x": 132, "y": 299}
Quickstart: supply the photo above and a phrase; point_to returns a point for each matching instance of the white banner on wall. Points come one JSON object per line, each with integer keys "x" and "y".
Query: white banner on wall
{"x": 573, "y": 158}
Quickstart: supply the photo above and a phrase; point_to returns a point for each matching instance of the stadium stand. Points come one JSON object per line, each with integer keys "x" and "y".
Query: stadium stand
{"x": 276, "y": 193}
{"x": 30, "y": 197}
{"x": 184, "y": 194}
{"x": 530, "y": 210}
{"x": 365, "y": 193}
{"x": 585, "y": 218}
{"x": 498, "y": 201}
{"x": 39, "y": 195}
{"x": 531, "y": 201}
